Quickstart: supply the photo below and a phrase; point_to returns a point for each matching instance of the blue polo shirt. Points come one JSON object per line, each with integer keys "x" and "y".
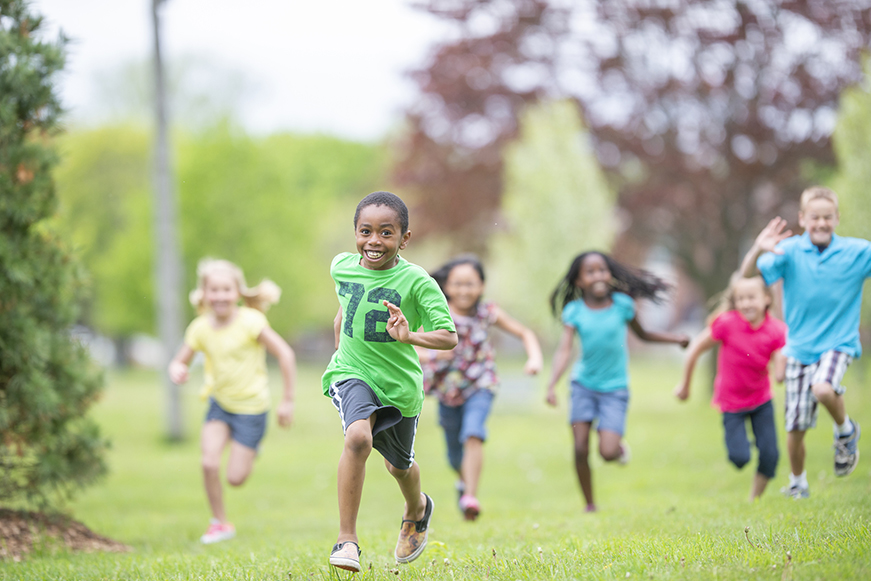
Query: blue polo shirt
{"x": 604, "y": 362}
{"x": 822, "y": 293}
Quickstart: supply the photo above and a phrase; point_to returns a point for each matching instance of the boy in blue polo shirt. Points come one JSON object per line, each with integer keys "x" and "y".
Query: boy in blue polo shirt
{"x": 822, "y": 278}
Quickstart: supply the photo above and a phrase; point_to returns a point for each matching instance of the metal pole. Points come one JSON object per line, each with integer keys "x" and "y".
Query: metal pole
{"x": 167, "y": 263}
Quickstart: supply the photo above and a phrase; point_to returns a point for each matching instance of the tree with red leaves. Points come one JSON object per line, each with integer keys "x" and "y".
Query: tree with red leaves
{"x": 705, "y": 114}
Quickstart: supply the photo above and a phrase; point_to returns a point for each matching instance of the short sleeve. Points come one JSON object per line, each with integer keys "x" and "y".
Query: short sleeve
{"x": 570, "y": 313}
{"x": 772, "y": 266}
{"x": 626, "y": 304}
{"x": 718, "y": 327}
{"x": 866, "y": 258}
{"x": 254, "y": 323}
{"x": 192, "y": 335}
{"x": 433, "y": 307}
{"x": 779, "y": 339}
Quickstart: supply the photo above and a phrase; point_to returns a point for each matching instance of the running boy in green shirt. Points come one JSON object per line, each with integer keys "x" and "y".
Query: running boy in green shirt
{"x": 374, "y": 377}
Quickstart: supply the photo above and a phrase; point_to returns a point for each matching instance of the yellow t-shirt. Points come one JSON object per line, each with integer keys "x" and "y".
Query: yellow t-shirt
{"x": 235, "y": 366}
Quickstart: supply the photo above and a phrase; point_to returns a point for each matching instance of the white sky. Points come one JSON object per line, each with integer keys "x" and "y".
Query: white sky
{"x": 331, "y": 66}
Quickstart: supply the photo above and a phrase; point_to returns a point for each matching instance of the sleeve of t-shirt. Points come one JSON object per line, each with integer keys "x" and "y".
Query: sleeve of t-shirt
{"x": 779, "y": 334}
{"x": 626, "y": 304}
{"x": 771, "y": 266}
{"x": 254, "y": 323}
{"x": 433, "y": 307}
{"x": 570, "y": 313}
{"x": 192, "y": 335}
{"x": 718, "y": 327}
{"x": 865, "y": 258}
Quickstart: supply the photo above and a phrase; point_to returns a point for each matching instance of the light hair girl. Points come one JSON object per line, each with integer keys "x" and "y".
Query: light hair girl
{"x": 234, "y": 339}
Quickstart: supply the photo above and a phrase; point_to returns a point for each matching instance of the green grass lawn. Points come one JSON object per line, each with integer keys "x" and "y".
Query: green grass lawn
{"x": 677, "y": 511}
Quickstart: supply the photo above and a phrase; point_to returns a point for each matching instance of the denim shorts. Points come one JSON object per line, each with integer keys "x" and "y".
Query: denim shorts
{"x": 247, "y": 429}
{"x": 465, "y": 421}
{"x": 606, "y": 408}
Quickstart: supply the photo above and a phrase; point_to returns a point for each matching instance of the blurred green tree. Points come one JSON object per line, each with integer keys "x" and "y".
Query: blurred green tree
{"x": 852, "y": 143}
{"x": 48, "y": 446}
{"x": 557, "y": 203}
{"x": 279, "y": 206}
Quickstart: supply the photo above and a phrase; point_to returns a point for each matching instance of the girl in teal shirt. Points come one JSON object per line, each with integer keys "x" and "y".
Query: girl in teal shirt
{"x": 597, "y": 300}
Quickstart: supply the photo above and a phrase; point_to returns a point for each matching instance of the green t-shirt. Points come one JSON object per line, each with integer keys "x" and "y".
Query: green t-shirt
{"x": 366, "y": 351}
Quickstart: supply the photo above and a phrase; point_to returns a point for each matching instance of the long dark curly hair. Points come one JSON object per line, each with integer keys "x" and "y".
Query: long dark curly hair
{"x": 635, "y": 282}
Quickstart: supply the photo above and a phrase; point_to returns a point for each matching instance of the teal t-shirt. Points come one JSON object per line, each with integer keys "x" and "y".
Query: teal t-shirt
{"x": 366, "y": 351}
{"x": 604, "y": 362}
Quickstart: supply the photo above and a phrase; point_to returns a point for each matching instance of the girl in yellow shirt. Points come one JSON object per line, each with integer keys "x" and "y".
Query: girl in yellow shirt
{"x": 234, "y": 340}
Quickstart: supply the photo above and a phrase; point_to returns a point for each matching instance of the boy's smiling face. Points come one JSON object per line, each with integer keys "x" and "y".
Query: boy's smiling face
{"x": 819, "y": 218}
{"x": 379, "y": 237}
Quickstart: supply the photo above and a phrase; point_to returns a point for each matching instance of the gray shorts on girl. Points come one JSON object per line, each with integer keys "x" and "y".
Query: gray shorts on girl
{"x": 247, "y": 429}
{"x": 392, "y": 435}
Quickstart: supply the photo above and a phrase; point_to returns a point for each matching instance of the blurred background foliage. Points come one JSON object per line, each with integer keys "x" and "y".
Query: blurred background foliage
{"x": 678, "y": 128}
{"x": 277, "y": 205}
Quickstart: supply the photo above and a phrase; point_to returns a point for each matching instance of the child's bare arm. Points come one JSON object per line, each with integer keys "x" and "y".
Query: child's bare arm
{"x": 397, "y": 327}
{"x": 702, "y": 342}
{"x": 658, "y": 337}
{"x": 765, "y": 242}
{"x": 530, "y": 341}
{"x": 287, "y": 363}
{"x": 779, "y": 366}
{"x": 561, "y": 360}
{"x": 178, "y": 367}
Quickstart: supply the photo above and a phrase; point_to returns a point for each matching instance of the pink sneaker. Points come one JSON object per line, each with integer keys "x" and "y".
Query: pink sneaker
{"x": 591, "y": 508}
{"x": 470, "y": 507}
{"x": 218, "y": 532}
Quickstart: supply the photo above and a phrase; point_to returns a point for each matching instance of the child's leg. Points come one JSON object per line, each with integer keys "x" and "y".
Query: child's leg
{"x": 352, "y": 472}
{"x": 214, "y": 438}
{"x": 833, "y": 402}
{"x": 581, "y": 432}
{"x": 473, "y": 461}
{"x": 796, "y": 450}
{"x": 473, "y": 433}
{"x": 765, "y": 432}
{"x": 613, "y": 406}
{"x": 609, "y": 445}
{"x": 451, "y": 421}
{"x": 409, "y": 485}
{"x": 735, "y": 432}
{"x": 240, "y": 464}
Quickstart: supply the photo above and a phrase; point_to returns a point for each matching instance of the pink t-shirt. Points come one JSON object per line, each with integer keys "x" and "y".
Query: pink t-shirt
{"x": 742, "y": 366}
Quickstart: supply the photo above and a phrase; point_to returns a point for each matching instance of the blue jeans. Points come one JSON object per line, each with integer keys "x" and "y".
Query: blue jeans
{"x": 465, "y": 421}
{"x": 762, "y": 422}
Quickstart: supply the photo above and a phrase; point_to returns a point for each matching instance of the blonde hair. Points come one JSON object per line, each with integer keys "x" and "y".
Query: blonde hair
{"x": 725, "y": 300}
{"x": 818, "y": 192}
{"x": 260, "y": 297}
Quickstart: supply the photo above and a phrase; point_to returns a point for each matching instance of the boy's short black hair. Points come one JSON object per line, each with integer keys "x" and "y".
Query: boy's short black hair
{"x": 385, "y": 199}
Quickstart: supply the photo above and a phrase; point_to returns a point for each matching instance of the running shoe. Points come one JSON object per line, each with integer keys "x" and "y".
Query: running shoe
{"x": 218, "y": 532}
{"x": 346, "y": 556}
{"x": 413, "y": 535}
{"x": 470, "y": 507}
{"x": 847, "y": 451}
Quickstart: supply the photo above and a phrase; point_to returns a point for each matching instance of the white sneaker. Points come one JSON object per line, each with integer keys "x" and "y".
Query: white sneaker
{"x": 218, "y": 532}
{"x": 625, "y": 454}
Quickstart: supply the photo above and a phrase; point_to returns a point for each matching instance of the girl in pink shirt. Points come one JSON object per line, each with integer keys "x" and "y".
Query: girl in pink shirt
{"x": 749, "y": 337}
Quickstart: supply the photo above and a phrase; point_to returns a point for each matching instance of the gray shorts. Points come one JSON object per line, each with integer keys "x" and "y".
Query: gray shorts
{"x": 801, "y": 404}
{"x": 247, "y": 429}
{"x": 393, "y": 435}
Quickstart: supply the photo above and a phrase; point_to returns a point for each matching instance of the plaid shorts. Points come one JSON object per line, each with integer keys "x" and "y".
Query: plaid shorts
{"x": 801, "y": 404}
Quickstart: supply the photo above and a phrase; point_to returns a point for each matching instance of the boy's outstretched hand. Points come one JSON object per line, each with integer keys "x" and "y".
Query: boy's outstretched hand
{"x": 772, "y": 234}
{"x": 682, "y": 391}
{"x": 397, "y": 324}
